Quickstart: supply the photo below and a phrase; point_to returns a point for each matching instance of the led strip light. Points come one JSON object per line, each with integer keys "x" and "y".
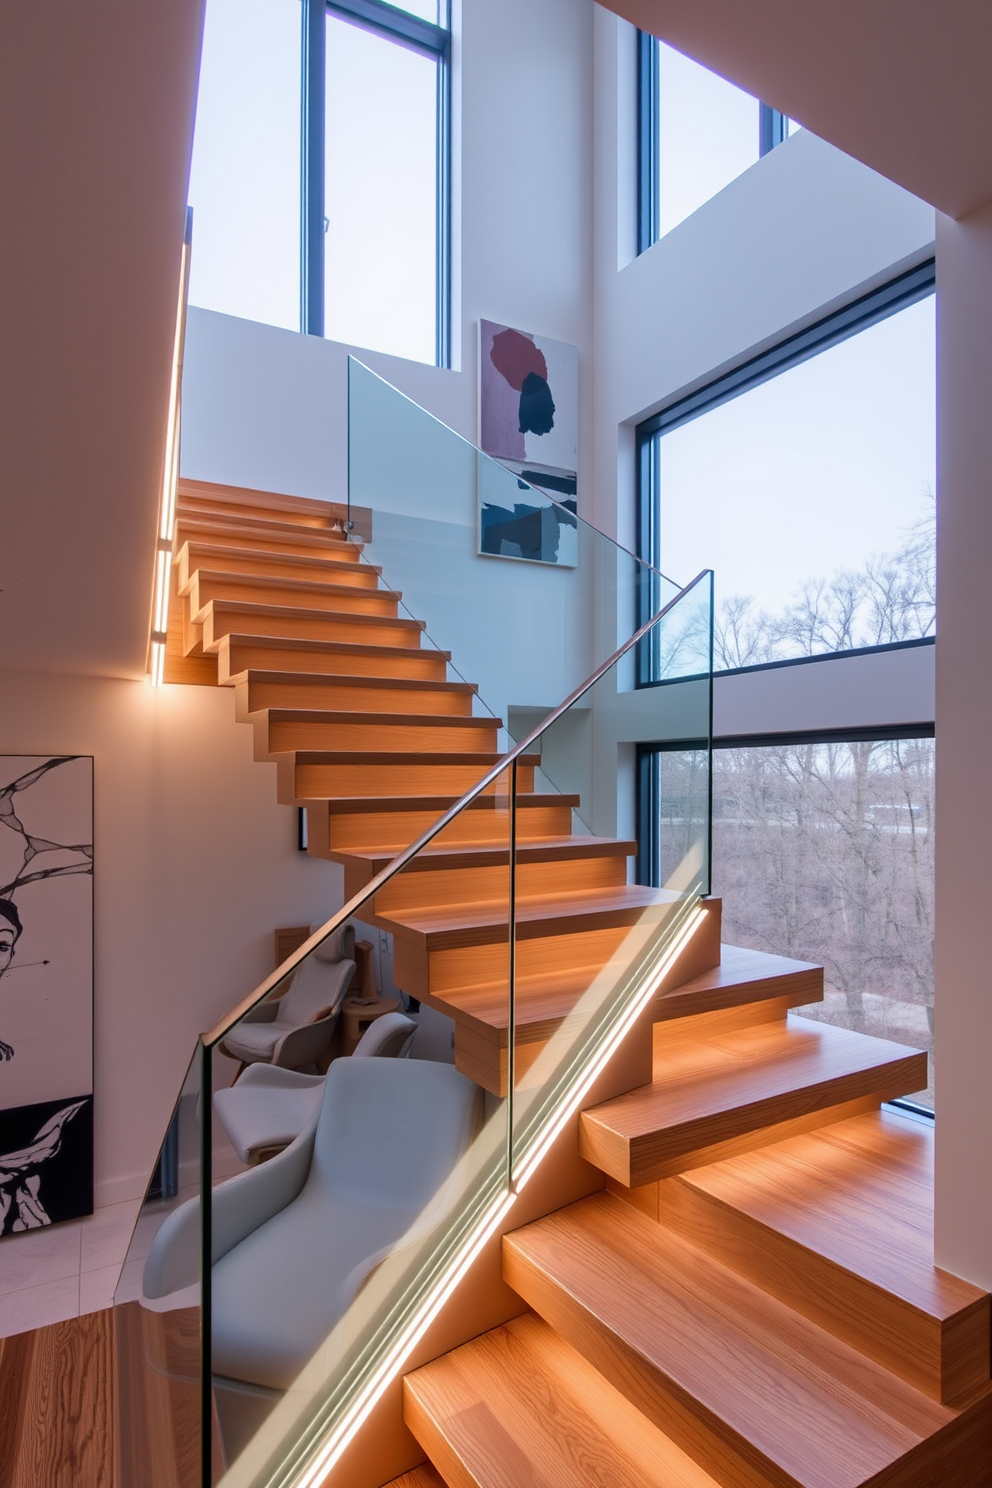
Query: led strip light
{"x": 170, "y": 478}
{"x": 313, "y": 1475}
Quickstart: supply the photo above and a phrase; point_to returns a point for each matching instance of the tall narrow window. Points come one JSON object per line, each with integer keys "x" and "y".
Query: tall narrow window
{"x": 245, "y": 179}
{"x": 381, "y": 192}
{"x": 697, "y": 134}
{"x": 320, "y": 177}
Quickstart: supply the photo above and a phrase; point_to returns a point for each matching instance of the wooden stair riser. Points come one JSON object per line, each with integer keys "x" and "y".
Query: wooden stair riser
{"x": 468, "y": 885}
{"x": 223, "y": 618}
{"x": 298, "y": 783}
{"x": 947, "y": 1358}
{"x": 332, "y": 833}
{"x": 304, "y": 543}
{"x": 439, "y": 972}
{"x": 206, "y": 588}
{"x": 218, "y": 558}
{"x": 698, "y": 1111}
{"x": 757, "y": 1395}
{"x": 255, "y": 693}
{"x": 282, "y": 736}
{"x": 238, "y": 653}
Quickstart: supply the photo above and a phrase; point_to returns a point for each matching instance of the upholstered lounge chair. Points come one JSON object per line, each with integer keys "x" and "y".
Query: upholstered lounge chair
{"x": 296, "y": 1029}
{"x": 269, "y": 1107}
{"x": 295, "y": 1238}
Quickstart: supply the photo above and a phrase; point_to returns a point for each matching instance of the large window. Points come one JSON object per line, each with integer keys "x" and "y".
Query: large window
{"x": 822, "y": 850}
{"x": 805, "y": 480}
{"x": 320, "y": 170}
{"x": 696, "y": 134}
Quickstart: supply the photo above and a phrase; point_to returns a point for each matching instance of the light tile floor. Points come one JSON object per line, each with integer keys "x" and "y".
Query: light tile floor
{"x": 65, "y": 1270}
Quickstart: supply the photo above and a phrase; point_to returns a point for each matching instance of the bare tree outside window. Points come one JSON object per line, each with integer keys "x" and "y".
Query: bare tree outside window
{"x": 823, "y": 851}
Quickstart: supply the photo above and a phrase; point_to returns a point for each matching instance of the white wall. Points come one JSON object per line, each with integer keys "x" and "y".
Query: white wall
{"x": 195, "y": 866}
{"x": 794, "y": 236}
{"x": 964, "y": 729}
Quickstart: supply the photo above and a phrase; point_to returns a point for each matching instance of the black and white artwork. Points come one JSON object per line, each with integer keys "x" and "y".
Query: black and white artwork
{"x": 46, "y": 990}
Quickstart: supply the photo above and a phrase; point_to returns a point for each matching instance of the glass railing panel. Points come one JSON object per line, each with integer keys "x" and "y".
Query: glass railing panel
{"x": 368, "y": 1126}
{"x": 158, "y": 1318}
{"x": 510, "y": 579}
{"x": 591, "y": 945}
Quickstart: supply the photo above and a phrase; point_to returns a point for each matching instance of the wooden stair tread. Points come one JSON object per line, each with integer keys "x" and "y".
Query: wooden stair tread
{"x": 194, "y": 551}
{"x": 696, "y": 1345}
{"x": 584, "y": 909}
{"x": 325, "y": 648}
{"x": 292, "y": 612}
{"x": 859, "y": 1193}
{"x": 711, "y": 1090}
{"x": 482, "y": 855}
{"x": 741, "y": 969}
{"x": 350, "y": 679}
{"x": 307, "y": 588}
{"x": 243, "y": 525}
{"x": 539, "y": 999}
{"x": 192, "y": 492}
{"x": 342, "y": 805}
{"x": 519, "y": 1408}
{"x": 409, "y": 757}
{"x": 381, "y": 720}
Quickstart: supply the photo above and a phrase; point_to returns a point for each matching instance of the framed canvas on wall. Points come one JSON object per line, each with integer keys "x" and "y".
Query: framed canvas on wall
{"x": 529, "y": 423}
{"x": 46, "y": 990}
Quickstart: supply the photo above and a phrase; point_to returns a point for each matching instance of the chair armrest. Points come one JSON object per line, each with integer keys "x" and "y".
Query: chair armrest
{"x": 244, "y": 1203}
{"x": 305, "y": 1045}
{"x": 240, "y": 1205}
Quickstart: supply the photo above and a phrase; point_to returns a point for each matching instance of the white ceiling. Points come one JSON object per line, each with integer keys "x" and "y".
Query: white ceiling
{"x": 902, "y": 85}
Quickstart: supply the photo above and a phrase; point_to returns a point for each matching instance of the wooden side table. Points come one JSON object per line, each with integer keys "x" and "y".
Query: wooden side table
{"x": 356, "y": 1016}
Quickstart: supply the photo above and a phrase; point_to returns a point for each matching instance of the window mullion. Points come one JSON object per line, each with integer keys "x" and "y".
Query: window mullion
{"x": 312, "y": 168}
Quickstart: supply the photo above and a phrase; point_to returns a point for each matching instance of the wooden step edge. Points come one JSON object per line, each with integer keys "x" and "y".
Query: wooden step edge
{"x": 940, "y": 1349}
{"x": 481, "y": 924}
{"x": 244, "y": 639}
{"x": 201, "y": 490}
{"x": 318, "y": 559}
{"x": 741, "y": 976}
{"x": 399, "y": 805}
{"x": 208, "y": 527}
{"x": 224, "y": 607}
{"x": 619, "y": 1137}
{"x": 260, "y": 675}
{"x": 518, "y": 1405}
{"x": 494, "y": 855}
{"x": 758, "y": 1394}
{"x": 459, "y": 722}
{"x": 222, "y": 576}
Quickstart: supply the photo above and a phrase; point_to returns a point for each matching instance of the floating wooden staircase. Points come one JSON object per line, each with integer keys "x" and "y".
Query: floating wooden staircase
{"x": 752, "y": 1301}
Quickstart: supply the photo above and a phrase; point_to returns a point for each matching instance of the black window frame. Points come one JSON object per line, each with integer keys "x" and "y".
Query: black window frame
{"x": 772, "y": 131}
{"x": 859, "y": 314}
{"x": 420, "y": 36}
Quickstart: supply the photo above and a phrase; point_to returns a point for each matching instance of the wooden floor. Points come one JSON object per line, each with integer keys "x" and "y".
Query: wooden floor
{"x": 57, "y": 1406}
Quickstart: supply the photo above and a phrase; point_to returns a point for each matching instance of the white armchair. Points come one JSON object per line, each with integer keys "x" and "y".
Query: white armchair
{"x": 295, "y": 1238}
{"x": 296, "y": 1029}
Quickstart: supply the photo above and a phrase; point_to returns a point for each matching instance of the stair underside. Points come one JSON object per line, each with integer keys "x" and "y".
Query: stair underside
{"x": 753, "y": 1390}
